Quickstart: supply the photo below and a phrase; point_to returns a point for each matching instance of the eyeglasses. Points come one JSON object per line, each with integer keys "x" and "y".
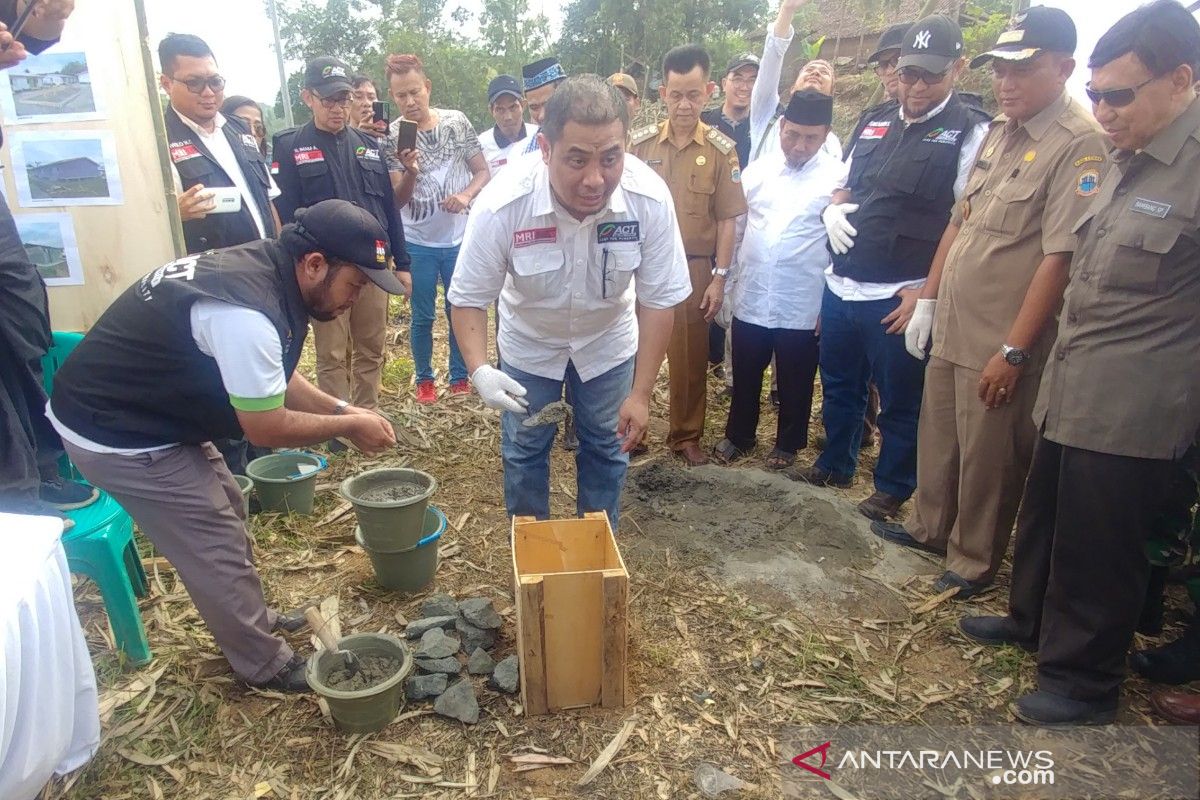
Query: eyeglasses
{"x": 910, "y": 75}
{"x": 1116, "y": 98}
{"x": 742, "y": 80}
{"x": 339, "y": 99}
{"x": 886, "y": 65}
{"x": 197, "y": 85}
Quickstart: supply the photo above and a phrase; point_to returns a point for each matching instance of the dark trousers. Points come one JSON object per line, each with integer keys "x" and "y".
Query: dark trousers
{"x": 855, "y": 349}
{"x": 716, "y": 344}
{"x": 795, "y": 355}
{"x": 1079, "y": 563}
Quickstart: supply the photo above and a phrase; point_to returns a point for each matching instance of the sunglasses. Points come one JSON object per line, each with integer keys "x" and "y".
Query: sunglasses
{"x": 910, "y": 75}
{"x": 886, "y": 65}
{"x": 197, "y": 85}
{"x": 1116, "y": 98}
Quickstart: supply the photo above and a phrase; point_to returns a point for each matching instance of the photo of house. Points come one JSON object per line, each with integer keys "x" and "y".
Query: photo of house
{"x": 49, "y": 240}
{"x": 66, "y": 168}
{"x": 49, "y": 87}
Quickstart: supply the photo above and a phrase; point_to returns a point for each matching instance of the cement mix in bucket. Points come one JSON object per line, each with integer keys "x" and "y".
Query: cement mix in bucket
{"x": 373, "y": 670}
{"x": 392, "y": 492}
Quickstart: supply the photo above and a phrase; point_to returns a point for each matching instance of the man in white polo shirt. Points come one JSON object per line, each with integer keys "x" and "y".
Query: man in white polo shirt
{"x": 561, "y": 246}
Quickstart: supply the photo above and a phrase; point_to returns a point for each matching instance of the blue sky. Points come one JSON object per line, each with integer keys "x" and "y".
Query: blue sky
{"x": 42, "y": 152}
{"x": 46, "y": 62}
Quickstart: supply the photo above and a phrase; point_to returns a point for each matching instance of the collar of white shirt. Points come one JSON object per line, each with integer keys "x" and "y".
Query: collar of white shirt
{"x": 218, "y": 121}
{"x": 928, "y": 116}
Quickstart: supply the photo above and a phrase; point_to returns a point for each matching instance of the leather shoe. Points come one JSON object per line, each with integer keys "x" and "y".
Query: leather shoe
{"x": 1050, "y": 710}
{"x": 896, "y": 533}
{"x": 966, "y": 589}
{"x": 880, "y": 506}
{"x": 1173, "y": 663}
{"x": 290, "y": 621}
{"x": 289, "y": 679}
{"x": 818, "y": 477}
{"x": 1177, "y": 706}
{"x": 994, "y": 631}
{"x": 692, "y": 454}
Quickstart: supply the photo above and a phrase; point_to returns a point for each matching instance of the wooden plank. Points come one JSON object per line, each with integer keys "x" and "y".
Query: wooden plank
{"x": 532, "y": 644}
{"x": 572, "y": 545}
{"x": 573, "y": 618}
{"x": 614, "y": 643}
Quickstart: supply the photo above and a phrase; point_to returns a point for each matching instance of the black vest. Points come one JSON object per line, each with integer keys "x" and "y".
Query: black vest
{"x": 195, "y": 164}
{"x": 902, "y": 178}
{"x": 139, "y": 380}
{"x": 875, "y": 112}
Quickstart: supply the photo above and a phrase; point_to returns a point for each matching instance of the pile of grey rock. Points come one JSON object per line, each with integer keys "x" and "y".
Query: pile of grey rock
{"x": 474, "y": 623}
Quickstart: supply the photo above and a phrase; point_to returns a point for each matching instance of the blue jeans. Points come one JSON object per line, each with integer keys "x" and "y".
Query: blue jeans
{"x": 599, "y": 462}
{"x": 428, "y": 263}
{"x": 855, "y": 349}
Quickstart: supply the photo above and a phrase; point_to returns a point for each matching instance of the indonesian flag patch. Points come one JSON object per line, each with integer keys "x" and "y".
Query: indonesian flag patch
{"x": 380, "y": 251}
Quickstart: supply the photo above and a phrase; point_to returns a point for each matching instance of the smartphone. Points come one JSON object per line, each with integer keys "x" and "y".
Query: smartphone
{"x": 228, "y": 199}
{"x": 406, "y": 137}
{"x": 379, "y": 112}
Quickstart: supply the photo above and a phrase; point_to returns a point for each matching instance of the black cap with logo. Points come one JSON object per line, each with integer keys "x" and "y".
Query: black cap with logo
{"x": 349, "y": 232}
{"x": 326, "y": 76}
{"x": 1039, "y": 28}
{"x": 931, "y": 44}
{"x": 502, "y": 85}
{"x": 891, "y": 39}
{"x": 744, "y": 60}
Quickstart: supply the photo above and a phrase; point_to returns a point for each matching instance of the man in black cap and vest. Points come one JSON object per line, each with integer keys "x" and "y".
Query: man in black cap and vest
{"x": 207, "y": 347}
{"x": 210, "y": 152}
{"x": 905, "y": 175}
{"x": 323, "y": 159}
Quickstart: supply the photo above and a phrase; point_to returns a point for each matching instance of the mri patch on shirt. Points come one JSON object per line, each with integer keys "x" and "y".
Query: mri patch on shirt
{"x": 876, "y": 130}
{"x": 623, "y": 231}
{"x": 532, "y": 236}
{"x": 308, "y": 155}
{"x": 943, "y": 136}
{"x": 1152, "y": 208}
{"x": 183, "y": 151}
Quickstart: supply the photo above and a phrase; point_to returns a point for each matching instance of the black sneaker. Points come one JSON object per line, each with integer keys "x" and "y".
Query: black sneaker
{"x": 291, "y": 621}
{"x": 896, "y": 533}
{"x": 1174, "y": 663}
{"x": 995, "y": 631}
{"x": 966, "y": 589}
{"x": 67, "y": 495}
{"x": 291, "y": 678}
{"x": 1049, "y": 710}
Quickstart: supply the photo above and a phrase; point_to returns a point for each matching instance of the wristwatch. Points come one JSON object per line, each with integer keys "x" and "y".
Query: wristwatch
{"x": 720, "y": 272}
{"x": 1014, "y": 355}
{"x": 341, "y": 407}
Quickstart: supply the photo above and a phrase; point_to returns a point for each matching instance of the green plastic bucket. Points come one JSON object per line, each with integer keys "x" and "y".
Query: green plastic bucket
{"x": 362, "y": 710}
{"x": 246, "y": 485}
{"x": 286, "y": 481}
{"x": 390, "y": 525}
{"x": 412, "y": 569}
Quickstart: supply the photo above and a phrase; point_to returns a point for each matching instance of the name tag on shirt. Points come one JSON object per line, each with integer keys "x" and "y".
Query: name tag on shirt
{"x": 308, "y": 155}
{"x": 249, "y": 141}
{"x": 623, "y": 231}
{"x": 1151, "y": 208}
{"x": 532, "y": 236}
{"x": 876, "y": 130}
{"x": 182, "y": 151}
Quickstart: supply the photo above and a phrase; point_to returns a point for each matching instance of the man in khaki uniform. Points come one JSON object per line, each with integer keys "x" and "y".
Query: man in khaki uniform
{"x": 1119, "y": 402}
{"x": 990, "y": 302}
{"x": 700, "y": 165}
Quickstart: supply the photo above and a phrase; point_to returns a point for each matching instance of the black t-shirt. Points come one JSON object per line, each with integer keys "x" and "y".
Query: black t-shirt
{"x": 738, "y": 131}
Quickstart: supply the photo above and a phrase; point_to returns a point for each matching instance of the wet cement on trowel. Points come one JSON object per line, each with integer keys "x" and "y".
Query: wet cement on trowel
{"x": 549, "y": 414}
{"x": 391, "y": 492}
{"x": 759, "y": 528}
{"x": 373, "y": 670}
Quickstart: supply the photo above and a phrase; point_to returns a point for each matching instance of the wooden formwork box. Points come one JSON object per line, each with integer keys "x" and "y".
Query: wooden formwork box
{"x": 572, "y": 593}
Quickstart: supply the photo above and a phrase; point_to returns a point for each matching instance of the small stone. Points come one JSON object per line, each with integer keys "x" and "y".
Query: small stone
{"x": 458, "y": 702}
{"x": 439, "y": 605}
{"x": 480, "y": 663}
{"x": 446, "y": 666}
{"x": 479, "y": 612}
{"x": 507, "y": 675}
{"x": 702, "y": 697}
{"x": 757, "y": 664}
{"x": 416, "y": 629}
{"x": 474, "y": 638}
{"x": 436, "y": 644}
{"x": 420, "y": 687}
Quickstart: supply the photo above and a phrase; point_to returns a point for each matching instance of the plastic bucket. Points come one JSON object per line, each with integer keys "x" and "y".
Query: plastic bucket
{"x": 390, "y": 525}
{"x": 412, "y": 569}
{"x": 286, "y": 481}
{"x": 362, "y": 710}
{"x": 246, "y": 485}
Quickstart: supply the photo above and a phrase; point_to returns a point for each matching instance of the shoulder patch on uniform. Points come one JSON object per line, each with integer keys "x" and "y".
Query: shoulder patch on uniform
{"x": 720, "y": 140}
{"x": 642, "y": 134}
{"x": 1088, "y": 183}
{"x": 1079, "y": 162}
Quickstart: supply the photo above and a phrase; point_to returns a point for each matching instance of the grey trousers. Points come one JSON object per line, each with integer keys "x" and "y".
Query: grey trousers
{"x": 186, "y": 502}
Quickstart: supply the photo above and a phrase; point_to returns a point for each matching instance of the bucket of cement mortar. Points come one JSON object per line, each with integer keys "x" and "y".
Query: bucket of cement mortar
{"x": 361, "y": 710}
{"x": 390, "y": 504}
{"x": 246, "y": 485}
{"x": 411, "y": 569}
{"x": 286, "y": 481}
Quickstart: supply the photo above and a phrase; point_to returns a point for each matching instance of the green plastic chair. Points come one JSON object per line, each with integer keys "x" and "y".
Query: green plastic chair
{"x": 100, "y": 545}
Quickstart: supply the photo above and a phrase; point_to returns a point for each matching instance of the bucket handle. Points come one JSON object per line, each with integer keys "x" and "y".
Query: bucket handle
{"x": 322, "y": 461}
{"x": 433, "y": 537}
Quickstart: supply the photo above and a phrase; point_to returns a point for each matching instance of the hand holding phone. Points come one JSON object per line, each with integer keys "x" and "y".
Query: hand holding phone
{"x": 379, "y": 111}
{"x": 406, "y": 136}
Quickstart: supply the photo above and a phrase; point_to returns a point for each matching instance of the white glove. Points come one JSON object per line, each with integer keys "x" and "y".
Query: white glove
{"x": 916, "y": 335}
{"x": 841, "y": 232}
{"x": 499, "y": 390}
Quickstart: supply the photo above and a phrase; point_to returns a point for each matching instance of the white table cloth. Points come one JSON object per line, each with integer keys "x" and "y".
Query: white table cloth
{"x": 49, "y": 720}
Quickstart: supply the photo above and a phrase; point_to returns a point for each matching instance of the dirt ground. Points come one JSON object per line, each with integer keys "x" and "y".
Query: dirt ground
{"x": 755, "y": 603}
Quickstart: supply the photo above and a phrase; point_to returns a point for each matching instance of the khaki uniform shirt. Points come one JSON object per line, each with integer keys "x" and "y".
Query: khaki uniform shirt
{"x": 704, "y": 177}
{"x": 1029, "y": 186}
{"x": 1124, "y": 374}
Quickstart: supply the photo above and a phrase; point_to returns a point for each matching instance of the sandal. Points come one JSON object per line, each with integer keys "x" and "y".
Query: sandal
{"x": 726, "y": 452}
{"x": 778, "y": 459}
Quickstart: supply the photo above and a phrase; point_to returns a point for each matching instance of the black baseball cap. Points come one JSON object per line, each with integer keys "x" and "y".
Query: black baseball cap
{"x": 502, "y": 85}
{"x": 931, "y": 44}
{"x": 326, "y": 76}
{"x": 891, "y": 39}
{"x": 1039, "y": 28}
{"x": 349, "y": 232}
{"x": 744, "y": 60}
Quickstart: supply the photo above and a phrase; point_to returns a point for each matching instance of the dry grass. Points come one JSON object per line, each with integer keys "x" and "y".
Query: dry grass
{"x": 183, "y": 727}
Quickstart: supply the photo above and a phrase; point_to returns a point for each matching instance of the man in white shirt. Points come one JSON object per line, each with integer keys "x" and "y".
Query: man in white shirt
{"x": 511, "y": 133}
{"x": 561, "y": 246}
{"x": 779, "y": 278}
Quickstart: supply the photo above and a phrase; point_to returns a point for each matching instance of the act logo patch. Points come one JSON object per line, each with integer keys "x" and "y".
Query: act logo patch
{"x": 532, "y": 236}
{"x": 249, "y": 141}
{"x": 366, "y": 153}
{"x": 943, "y": 136}
{"x": 1088, "y": 183}
{"x": 625, "y": 231}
